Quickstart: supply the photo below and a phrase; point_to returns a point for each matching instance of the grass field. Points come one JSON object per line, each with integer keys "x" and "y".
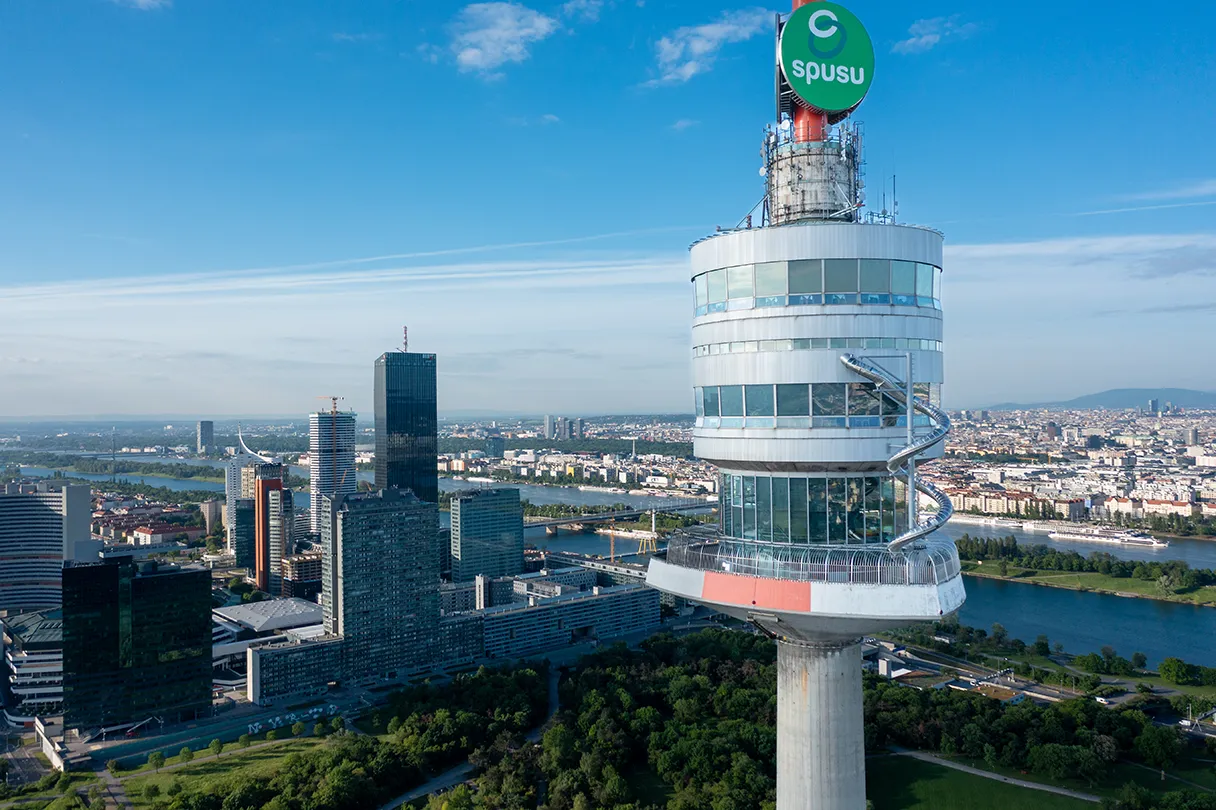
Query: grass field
{"x": 903, "y": 783}
{"x": 199, "y": 776}
{"x": 1094, "y": 582}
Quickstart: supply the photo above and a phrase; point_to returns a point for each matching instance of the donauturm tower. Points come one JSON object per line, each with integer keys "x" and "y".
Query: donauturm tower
{"x": 817, "y": 366}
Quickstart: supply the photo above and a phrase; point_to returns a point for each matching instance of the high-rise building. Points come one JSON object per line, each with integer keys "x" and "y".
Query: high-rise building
{"x": 496, "y": 446}
{"x": 302, "y": 576}
{"x": 242, "y": 533}
{"x": 331, "y": 454}
{"x": 1154, "y": 406}
{"x": 407, "y": 424}
{"x": 136, "y": 643}
{"x": 380, "y": 576}
{"x": 563, "y": 429}
{"x": 819, "y": 541}
{"x": 578, "y": 428}
{"x": 487, "y": 533}
{"x": 41, "y": 526}
{"x": 271, "y": 527}
{"x": 206, "y": 437}
{"x": 212, "y": 512}
{"x": 238, "y": 484}
{"x": 1192, "y": 436}
{"x": 33, "y": 655}
{"x": 548, "y": 428}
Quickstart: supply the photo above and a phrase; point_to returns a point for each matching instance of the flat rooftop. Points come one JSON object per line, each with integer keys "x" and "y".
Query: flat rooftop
{"x": 272, "y": 614}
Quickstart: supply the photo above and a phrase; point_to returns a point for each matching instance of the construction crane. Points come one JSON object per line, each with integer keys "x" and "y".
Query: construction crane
{"x": 650, "y": 545}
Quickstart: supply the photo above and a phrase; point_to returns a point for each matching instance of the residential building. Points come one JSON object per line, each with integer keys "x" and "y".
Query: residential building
{"x": 331, "y": 457}
{"x": 548, "y": 426}
{"x": 282, "y": 537}
{"x": 487, "y": 533}
{"x": 407, "y": 424}
{"x": 41, "y": 526}
{"x": 136, "y": 643}
{"x": 302, "y": 576}
{"x": 521, "y": 629}
{"x": 33, "y": 657}
{"x": 213, "y": 514}
{"x": 380, "y": 575}
{"x": 205, "y": 437}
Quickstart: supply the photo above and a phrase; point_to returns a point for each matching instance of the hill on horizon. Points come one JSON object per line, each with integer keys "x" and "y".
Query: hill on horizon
{"x": 1119, "y": 399}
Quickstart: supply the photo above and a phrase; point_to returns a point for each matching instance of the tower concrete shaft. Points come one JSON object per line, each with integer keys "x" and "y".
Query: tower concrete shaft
{"x": 820, "y": 737}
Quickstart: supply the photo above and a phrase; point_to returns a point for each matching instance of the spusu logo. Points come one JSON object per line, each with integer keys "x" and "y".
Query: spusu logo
{"x": 827, "y": 56}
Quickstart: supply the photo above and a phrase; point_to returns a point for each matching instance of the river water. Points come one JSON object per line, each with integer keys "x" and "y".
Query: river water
{"x": 1081, "y": 621}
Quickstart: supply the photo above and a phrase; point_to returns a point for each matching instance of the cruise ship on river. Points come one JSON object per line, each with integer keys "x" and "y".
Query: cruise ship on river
{"x": 1097, "y": 534}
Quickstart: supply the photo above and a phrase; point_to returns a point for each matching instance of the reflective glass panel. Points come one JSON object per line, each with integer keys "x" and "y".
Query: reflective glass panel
{"x": 840, "y": 275}
{"x": 781, "y": 510}
{"x": 793, "y": 400}
{"x": 764, "y": 509}
{"x": 903, "y": 278}
{"x": 716, "y": 286}
{"x": 875, "y": 276}
{"x": 759, "y": 400}
{"x": 731, "y": 398}
{"x": 828, "y": 399}
{"x": 710, "y": 397}
{"x": 863, "y": 399}
{"x": 699, "y": 401}
{"x": 924, "y": 281}
{"x": 739, "y": 281}
{"x": 817, "y": 509}
{"x": 749, "y": 507}
{"x": 798, "y": 510}
{"x": 856, "y": 520}
{"x": 806, "y": 276}
{"x": 701, "y": 286}
{"x": 837, "y": 510}
{"x": 770, "y": 278}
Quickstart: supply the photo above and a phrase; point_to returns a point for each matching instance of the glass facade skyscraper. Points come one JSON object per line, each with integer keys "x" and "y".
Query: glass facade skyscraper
{"x": 487, "y": 534}
{"x": 407, "y": 424}
{"x": 136, "y": 643}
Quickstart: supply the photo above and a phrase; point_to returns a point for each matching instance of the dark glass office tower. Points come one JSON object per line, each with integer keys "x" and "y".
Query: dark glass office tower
{"x": 407, "y": 424}
{"x": 243, "y": 530}
{"x": 136, "y": 643}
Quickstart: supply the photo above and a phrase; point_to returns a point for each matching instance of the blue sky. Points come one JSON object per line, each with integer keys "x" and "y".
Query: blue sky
{"x": 213, "y": 207}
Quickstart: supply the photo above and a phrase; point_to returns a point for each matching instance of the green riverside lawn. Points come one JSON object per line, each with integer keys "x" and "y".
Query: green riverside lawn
{"x": 1119, "y": 586}
{"x": 904, "y": 783}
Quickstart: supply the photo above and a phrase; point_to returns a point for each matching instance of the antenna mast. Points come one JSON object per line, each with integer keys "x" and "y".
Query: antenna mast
{"x": 405, "y": 339}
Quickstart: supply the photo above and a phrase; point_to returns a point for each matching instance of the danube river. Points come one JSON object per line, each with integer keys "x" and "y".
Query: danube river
{"x": 1081, "y": 621}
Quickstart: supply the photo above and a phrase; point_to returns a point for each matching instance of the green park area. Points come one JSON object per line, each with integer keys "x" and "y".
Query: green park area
{"x": 1094, "y": 581}
{"x": 904, "y": 783}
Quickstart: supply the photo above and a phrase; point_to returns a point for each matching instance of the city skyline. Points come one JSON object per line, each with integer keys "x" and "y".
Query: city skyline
{"x": 540, "y": 303}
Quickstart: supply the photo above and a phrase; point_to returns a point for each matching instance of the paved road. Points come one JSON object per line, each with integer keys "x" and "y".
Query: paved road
{"x": 925, "y": 757}
{"x": 24, "y": 767}
{"x": 115, "y": 790}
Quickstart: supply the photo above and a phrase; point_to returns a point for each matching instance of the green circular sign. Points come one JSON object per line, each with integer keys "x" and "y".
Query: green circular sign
{"x": 827, "y": 57}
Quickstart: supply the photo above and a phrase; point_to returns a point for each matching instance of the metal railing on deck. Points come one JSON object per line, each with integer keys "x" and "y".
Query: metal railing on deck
{"x": 931, "y": 562}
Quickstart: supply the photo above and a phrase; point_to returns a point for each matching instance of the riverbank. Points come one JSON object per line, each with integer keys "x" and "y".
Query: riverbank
{"x": 1127, "y": 587}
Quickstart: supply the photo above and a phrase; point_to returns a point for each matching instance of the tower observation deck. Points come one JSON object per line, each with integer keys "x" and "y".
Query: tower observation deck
{"x": 817, "y": 366}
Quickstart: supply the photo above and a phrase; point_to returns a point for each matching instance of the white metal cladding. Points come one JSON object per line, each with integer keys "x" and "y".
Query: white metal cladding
{"x": 868, "y": 321}
{"x": 751, "y": 449}
{"x": 816, "y": 366}
{"x": 817, "y": 240}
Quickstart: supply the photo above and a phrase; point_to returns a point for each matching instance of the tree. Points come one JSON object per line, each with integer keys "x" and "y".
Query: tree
{"x": 175, "y": 787}
{"x": 1159, "y": 746}
{"x": 151, "y": 790}
{"x": 112, "y": 766}
{"x": 216, "y": 747}
{"x": 1175, "y": 670}
{"x": 1003, "y": 568}
{"x": 458, "y": 798}
{"x": 297, "y": 729}
{"x": 156, "y": 760}
{"x": 185, "y": 755}
{"x": 64, "y": 783}
{"x": 1139, "y": 660}
{"x": 319, "y": 730}
{"x": 337, "y": 724}
{"x": 244, "y": 740}
{"x": 1042, "y": 647}
{"x": 272, "y": 735}
{"x": 999, "y": 633}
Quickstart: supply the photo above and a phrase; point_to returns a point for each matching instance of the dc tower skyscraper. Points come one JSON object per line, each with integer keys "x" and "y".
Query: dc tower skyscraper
{"x": 407, "y": 424}
{"x": 817, "y": 364}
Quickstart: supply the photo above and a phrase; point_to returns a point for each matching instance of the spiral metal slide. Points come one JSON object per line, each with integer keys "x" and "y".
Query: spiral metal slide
{"x": 900, "y": 463}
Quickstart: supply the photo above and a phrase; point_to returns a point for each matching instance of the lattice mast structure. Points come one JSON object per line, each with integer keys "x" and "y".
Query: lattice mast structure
{"x": 817, "y": 364}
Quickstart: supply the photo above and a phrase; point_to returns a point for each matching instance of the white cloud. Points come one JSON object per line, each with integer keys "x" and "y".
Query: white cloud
{"x": 143, "y": 5}
{"x": 486, "y": 36}
{"x": 685, "y": 123}
{"x": 691, "y": 50}
{"x": 1200, "y": 188}
{"x": 588, "y": 10}
{"x": 550, "y": 118}
{"x": 926, "y": 34}
{"x": 343, "y": 36}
